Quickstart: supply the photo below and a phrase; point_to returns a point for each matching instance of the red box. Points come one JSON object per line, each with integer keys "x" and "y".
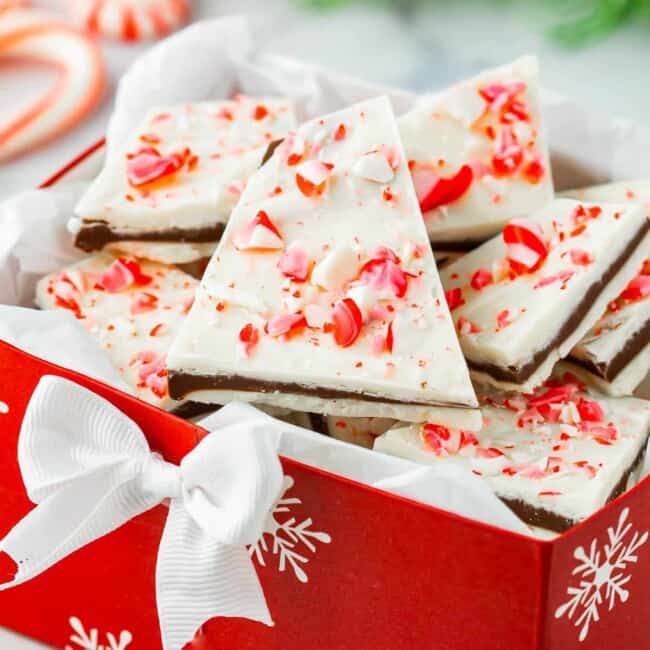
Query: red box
{"x": 384, "y": 572}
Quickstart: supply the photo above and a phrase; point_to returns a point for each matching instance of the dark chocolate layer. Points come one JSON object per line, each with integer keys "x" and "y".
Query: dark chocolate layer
{"x": 196, "y": 269}
{"x": 609, "y": 370}
{"x": 318, "y": 423}
{"x": 189, "y": 410}
{"x": 551, "y": 520}
{"x": 182, "y": 384}
{"x": 519, "y": 375}
{"x": 270, "y": 150}
{"x": 94, "y": 235}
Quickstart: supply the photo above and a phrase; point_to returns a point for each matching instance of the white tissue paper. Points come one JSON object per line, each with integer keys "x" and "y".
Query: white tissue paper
{"x": 225, "y": 59}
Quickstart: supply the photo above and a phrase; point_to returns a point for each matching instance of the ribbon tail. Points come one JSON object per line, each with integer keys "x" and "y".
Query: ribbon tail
{"x": 65, "y": 521}
{"x": 198, "y": 578}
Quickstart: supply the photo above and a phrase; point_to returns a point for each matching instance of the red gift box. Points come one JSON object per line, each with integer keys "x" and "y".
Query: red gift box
{"x": 369, "y": 569}
{"x": 379, "y": 571}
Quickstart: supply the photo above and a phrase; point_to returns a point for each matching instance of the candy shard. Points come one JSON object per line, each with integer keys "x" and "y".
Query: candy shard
{"x": 338, "y": 267}
{"x": 374, "y": 166}
{"x": 259, "y": 234}
{"x": 312, "y": 177}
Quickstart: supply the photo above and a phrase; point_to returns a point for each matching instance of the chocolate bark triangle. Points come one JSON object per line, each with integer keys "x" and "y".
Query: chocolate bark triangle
{"x": 323, "y": 294}
{"x": 478, "y": 154}
{"x": 168, "y": 191}
{"x": 555, "y": 455}
{"x": 523, "y": 300}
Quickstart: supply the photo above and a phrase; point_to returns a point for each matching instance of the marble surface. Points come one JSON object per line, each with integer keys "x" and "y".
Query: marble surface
{"x": 422, "y": 51}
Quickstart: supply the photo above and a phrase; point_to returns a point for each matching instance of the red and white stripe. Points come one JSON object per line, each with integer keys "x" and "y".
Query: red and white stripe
{"x": 131, "y": 20}
{"x": 37, "y": 37}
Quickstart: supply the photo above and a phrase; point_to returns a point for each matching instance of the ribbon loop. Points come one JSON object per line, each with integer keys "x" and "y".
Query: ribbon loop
{"x": 94, "y": 472}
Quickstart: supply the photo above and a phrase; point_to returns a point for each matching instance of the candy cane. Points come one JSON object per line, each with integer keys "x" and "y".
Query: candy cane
{"x": 38, "y": 37}
{"x": 131, "y": 20}
{"x": 5, "y": 5}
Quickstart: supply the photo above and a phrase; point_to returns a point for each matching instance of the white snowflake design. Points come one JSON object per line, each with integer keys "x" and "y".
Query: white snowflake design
{"x": 604, "y": 574}
{"x": 83, "y": 640}
{"x": 287, "y": 535}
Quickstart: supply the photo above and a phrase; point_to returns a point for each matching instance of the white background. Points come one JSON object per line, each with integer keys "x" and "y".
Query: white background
{"x": 422, "y": 51}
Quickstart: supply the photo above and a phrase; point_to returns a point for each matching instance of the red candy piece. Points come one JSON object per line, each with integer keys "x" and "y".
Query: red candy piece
{"x": 383, "y": 272}
{"x": 434, "y": 191}
{"x": 509, "y": 154}
{"x": 466, "y": 326}
{"x": 499, "y": 95}
{"x": 340, "y": 133}
{"x": 260, "y": 112}
{"x": 555, "y": 395}
{"x": 285, "y": 324}
{"x": 454, "y": 298}
{"x": 147, "y": 165}
{"x": 347, "y": 320}
{"x": 123, "y": 273}
{"x": 389, "y": 338}
{"x": 590, "y": 411}
{"x": 244, "y": 240}
{"x": 637, "y": 289}
{"x": 143, "y": 303}
{"x": 489, "y": 452}
{"x": 435, "y": 436}
{"x": 295, "y": 264}
{"x": 580, "y": 257}
{"x": 65, "y": 294}
{"x": 312, "y": 177}
{"x": 561, "y": 276}
{"x": 482, "y": 278}
{"x": 534, "y": 171}
{"x": 152, "y": 371}
{"x": 249, "y": 336}
{"x": 503, "y": 319}
{"x": 526, "y": 246}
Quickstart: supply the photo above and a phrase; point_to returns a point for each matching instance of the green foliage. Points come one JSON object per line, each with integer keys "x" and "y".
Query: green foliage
{"x": 576, "y": 22}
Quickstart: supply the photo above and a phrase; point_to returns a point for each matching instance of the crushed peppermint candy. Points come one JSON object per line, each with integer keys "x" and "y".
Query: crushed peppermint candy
{"x": 134, "y": 308}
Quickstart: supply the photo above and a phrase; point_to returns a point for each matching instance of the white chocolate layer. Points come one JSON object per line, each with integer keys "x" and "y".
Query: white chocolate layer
{"x": 615, "y": 328}
{"x": 459, "y": 126}
{"x": 513, "y": 316}
{"x": 351, "y": 408}
{"x": 337, "y": 223}
{"x": 618, "y": 192}
{"x": 164, "y": 252}
{"x": 568, "y": 467}
{"x": 228, "y": 142}
{"x": 625, "y": 382}
{"x": 358, "y": 431}
{"x": 134, "y": 325}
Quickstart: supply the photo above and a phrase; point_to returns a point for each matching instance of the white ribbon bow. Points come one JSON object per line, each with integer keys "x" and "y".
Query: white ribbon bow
{"x": 90, "y": 470}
